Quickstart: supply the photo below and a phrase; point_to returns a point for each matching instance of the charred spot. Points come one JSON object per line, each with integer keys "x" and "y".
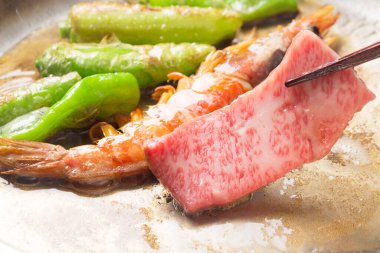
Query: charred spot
{"x": 168, "y": 198}
{"x": 276, "y": 59}
{"x": 337, "y": 158}
{"x": 315, "y": 30}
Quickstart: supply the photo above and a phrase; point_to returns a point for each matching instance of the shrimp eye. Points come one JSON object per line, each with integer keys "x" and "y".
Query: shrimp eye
{"x": 315, "y": 30}
{"x": 26, "y": 180}
{"x": 276, "y": 59}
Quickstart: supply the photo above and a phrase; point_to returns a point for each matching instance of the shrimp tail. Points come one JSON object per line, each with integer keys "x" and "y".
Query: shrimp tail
{"x": 322, "y": 19}
{"x": 319, "y": 22}
{"x": 29, "y": 158}
{"x": 31, "y": 164}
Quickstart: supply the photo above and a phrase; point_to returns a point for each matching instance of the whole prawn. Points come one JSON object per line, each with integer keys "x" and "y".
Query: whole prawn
{"x": 224, "y": 75}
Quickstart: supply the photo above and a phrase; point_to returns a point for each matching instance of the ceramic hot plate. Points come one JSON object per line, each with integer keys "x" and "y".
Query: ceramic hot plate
{"x": 329, "y": 205}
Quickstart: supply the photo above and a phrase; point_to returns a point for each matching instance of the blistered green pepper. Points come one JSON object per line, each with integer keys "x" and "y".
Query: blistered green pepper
{"x": 44, "y": 92}
{"x": 94, "y": 97}
{"x": 22, "y": 122}
{"x": 194, "y": 3}
{"x": 149, "y": 64}
{"x": 136, "y": 24}
{"x": 250, "y": 10}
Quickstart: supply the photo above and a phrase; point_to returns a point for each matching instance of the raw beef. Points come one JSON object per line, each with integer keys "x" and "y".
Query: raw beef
{"x": 223, "y": 156}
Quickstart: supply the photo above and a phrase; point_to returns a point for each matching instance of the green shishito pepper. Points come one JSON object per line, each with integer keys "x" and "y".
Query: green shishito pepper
{"x": 195, "y": 3}
{"x": 44, "y": 92}
{"x": 250, "y": 10}
{"x": 94, "y": 97}
{"x": 149, "y": 64}
{"x": 136, "y": 24}
{"x": 23, "y": 122}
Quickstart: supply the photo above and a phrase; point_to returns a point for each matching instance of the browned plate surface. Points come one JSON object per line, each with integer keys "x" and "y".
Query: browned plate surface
{"x": 329, "y": 205}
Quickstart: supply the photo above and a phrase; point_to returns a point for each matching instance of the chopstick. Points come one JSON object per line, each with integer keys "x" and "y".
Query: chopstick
{"x": 356, "y": 58}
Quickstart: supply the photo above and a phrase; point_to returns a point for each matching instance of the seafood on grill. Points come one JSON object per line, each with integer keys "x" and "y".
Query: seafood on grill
{"x": 225, "y": 75}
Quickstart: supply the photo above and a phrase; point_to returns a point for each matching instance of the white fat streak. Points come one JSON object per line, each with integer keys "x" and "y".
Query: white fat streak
{"x": 262, "y": 122}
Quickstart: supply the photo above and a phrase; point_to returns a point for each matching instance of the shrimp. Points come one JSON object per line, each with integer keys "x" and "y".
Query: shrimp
{"x": 224, "y": 76}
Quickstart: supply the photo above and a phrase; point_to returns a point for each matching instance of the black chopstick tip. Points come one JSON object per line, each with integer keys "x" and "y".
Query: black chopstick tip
{"x": 297, "y": 80}
{"x": 290, "y": 83}
{"x": 348, "y": 61}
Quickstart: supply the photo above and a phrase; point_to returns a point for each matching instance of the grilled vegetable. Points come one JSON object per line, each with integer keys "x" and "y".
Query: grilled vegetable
{"x": 44, "y": 92}
{"x": 149, "y": 64}
{"x": 250, "y": 10}
{"x": 135, "y": 24}
{"x": 95, "y": 97}
{"x": 22, "y": 122}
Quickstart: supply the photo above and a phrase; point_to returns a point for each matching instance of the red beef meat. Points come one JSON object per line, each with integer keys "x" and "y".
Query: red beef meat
{"x": 223, "y": 156}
